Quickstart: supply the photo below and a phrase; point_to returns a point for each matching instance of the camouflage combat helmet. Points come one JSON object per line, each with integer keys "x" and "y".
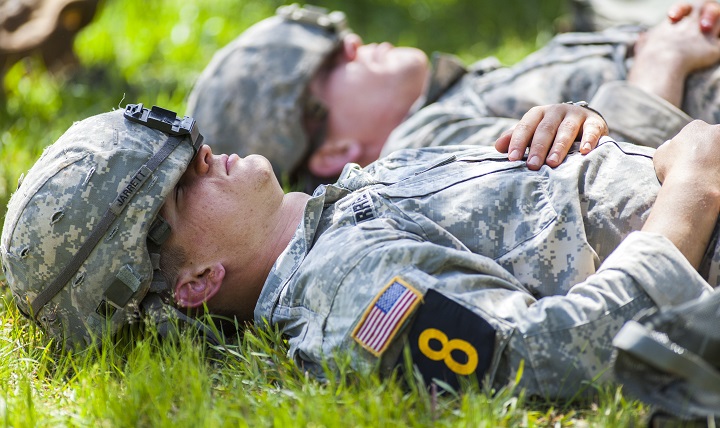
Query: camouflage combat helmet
{"x": 251, "y": 97}
{"x": 75, "y": 241}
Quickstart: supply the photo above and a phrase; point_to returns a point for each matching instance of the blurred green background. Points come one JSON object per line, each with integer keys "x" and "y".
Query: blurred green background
{"x": 152, "y": 51}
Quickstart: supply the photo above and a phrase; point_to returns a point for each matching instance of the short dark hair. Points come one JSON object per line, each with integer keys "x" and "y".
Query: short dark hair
{"x": 172, "y": 257}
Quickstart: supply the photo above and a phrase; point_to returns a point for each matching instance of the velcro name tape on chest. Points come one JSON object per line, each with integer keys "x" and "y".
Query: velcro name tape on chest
{"x": 385, "y": 315}
{"x": 449, "y": 341}
{"x": 363, "y": 208}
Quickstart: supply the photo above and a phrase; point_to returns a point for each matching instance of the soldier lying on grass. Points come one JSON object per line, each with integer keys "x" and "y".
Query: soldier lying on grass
{"x": 475, "y": 262}
{"x": 303, "y": 91}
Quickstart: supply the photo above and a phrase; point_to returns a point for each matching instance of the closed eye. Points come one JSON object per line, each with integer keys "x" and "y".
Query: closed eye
{"x": 178, "y": 189}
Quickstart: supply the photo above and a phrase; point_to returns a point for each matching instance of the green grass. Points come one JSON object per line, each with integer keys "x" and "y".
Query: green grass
{"x": 151, "y": 52}
{"x": 251, "y": 383}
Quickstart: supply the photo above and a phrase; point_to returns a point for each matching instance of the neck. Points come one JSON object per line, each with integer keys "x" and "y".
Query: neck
{"x": 288, "y": 218}
{"x": 285, "y": 221}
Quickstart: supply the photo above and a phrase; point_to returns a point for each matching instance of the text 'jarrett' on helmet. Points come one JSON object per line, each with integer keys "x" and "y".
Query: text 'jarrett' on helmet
{"x": 74, "y": 244}
{"x": 250, "y": 97}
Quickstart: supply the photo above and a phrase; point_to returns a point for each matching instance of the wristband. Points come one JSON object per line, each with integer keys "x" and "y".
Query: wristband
{"x": 584, "y": 104}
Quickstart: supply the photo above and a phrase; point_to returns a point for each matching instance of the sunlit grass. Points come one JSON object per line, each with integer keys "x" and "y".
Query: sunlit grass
{"x": 151, "y": 52}
{"x": 249, "y": 383}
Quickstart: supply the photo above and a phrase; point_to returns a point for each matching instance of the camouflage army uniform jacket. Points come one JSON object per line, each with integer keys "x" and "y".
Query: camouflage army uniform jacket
{"x": 477, "y": 107}
{"x": 477, "y": 264}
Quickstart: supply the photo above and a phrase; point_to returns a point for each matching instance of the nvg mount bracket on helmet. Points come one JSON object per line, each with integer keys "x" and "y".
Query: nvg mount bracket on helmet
{"x": 165, "y": 121}
{"x": 313, "y": 15}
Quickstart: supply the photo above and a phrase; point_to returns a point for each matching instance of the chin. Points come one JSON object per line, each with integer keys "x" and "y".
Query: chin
{"x": 256, "y": 158}
{"x": 261, "y": 170}
{"x": 258, "y": 163}
{"x": 412, "y": 56}
{"x": 412, "y": 67}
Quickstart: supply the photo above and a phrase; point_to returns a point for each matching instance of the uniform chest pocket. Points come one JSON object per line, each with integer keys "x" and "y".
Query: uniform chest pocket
{"x": 493, "y": 211}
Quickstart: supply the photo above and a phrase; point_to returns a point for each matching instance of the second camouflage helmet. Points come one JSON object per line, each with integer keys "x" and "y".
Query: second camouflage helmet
{"x": 250, "y": 98}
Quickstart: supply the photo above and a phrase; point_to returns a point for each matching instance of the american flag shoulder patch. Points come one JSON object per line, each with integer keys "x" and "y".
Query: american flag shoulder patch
{"x": 385, "y": 315}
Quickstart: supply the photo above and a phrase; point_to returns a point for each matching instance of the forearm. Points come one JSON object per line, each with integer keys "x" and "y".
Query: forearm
{"x": 667, "y": 53}
{"x": 664, "y": 80}
{"x": 637, "y": 116}
{"x": 685, "y": 212}
{"x": 569, "y": 336}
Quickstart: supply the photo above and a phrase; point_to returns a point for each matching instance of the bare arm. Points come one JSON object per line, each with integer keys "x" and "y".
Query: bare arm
{"x": 688, "y": 203}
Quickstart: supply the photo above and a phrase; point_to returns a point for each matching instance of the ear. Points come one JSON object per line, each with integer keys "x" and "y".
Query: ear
{"x": 330, "y": 158}
{"x": 195, "y": 288}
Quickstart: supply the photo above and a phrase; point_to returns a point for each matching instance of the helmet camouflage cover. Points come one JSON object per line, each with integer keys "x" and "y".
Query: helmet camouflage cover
{"x": 250, "y": 97}
{"x": 75, "y": 241}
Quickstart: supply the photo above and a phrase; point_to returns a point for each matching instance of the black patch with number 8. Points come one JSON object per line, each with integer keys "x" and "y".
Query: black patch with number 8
{"x": 448, "y": 341}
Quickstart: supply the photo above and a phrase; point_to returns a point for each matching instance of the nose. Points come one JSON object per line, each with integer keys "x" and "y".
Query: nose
{"x": 351, "y": 43}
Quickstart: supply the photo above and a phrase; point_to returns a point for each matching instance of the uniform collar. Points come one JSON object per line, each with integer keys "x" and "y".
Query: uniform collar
{"x": 290, "y": 259}
{"x": 352, "y": 178}
{"x": 294, "y": 254}
{"x": 446, "y": 69}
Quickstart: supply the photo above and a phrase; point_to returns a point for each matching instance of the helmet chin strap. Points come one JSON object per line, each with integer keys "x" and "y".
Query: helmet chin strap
{"x": 168, "y": 319}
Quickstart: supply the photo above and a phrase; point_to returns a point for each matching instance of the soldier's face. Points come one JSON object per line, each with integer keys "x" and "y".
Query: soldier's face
{"x": 369, "y": 89}
{"x": 221, "y": 213}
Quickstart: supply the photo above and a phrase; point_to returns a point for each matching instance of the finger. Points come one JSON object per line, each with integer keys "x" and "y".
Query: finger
{"x": 678, "y": 11}
{"x": 566, "y": 133}
{"x": 592, "y": 130}
{"x": 503, "y": 141}
{"x": 523, "y": 133}
{"x": 710, "y": 17}
{"x": 542, "y": 140}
